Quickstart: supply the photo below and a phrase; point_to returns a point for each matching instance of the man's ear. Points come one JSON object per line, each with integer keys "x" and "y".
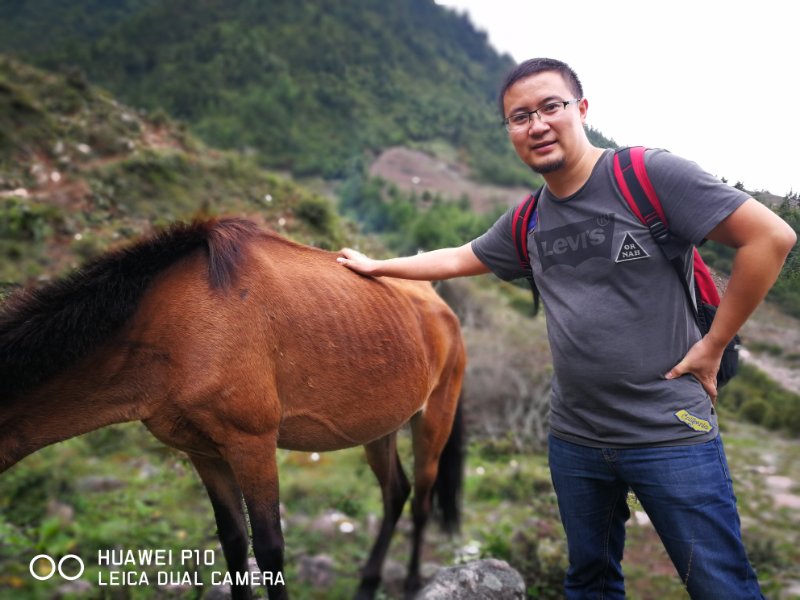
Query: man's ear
{"x": 583, "y": 107}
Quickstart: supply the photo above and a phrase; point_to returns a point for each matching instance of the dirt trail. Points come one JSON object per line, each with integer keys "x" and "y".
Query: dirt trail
{"x": 778, "y": 337}
{"x": 412, "y": 170}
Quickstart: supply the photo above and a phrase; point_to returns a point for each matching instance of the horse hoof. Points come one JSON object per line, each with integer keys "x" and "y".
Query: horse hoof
{"x": 411, "y": 589}
{"x": 365, "y": 592}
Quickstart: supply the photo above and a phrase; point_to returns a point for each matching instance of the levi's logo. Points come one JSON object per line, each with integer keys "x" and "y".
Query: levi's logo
{"x": 577, "y": 242}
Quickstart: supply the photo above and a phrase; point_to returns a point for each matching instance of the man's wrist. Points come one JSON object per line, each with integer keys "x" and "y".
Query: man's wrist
{"x": 716, "y": 342}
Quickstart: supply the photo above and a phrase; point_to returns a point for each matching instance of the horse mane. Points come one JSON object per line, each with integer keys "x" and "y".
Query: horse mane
{"x": 44, "y": 330}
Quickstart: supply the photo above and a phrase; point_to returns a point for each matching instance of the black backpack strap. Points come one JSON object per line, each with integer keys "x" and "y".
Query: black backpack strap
{"x": 519, "y": 232}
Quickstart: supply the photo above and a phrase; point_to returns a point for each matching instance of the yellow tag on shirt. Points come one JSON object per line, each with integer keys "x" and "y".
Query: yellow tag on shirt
{"x": 695, "y": 423}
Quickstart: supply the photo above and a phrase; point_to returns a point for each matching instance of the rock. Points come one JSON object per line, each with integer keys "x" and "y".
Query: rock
{"x": 97, "y": 483}
{"x": 219, "y": 592}
{"x": 428, "y": 570}
{"x": 487, "y": 579}
{"x": 393, "y": 571}
{"x": 318, "y": 571}
{"x": 393, "y": 578}
{"x": 75, "y": 589}
{"x": 332, "y": 522}
{"x": 63, "y": 512}
{"x": 791, "y": 591}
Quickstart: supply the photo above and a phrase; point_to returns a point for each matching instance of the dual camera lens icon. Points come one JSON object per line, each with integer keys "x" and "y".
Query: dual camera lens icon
{"x": 57, "y": 567}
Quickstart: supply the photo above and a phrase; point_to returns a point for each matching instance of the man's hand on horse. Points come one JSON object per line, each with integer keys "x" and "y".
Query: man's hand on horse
{"x": 358, "y": 262}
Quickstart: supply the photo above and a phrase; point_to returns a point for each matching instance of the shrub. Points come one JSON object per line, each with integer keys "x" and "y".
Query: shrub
{"x": 22, "y": 219}
{"x": 760, "y": 400}
{"x": 317, "y": 212}
{"x": 755, "y": 411}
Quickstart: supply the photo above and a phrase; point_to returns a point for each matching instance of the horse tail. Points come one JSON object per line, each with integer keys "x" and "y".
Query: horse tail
{"x": 450, "y": 477}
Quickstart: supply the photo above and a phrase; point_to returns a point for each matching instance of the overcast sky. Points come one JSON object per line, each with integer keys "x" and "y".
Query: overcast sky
{"x": 713, "y": 81}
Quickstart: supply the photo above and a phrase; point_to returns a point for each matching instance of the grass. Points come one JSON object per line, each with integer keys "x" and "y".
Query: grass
{"x": 80, "y": 173}
{"x": 119, "y": 488}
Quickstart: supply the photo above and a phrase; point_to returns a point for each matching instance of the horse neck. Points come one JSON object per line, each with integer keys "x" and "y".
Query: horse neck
{"x": 68, "y": 405}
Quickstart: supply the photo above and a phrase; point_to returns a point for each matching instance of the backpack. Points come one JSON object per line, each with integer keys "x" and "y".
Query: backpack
{"x": 637, "y": 190}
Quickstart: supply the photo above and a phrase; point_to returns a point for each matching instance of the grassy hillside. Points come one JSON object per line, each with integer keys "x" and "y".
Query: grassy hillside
{"x": 786, "y": 291}
{"x": 80, "y": 172}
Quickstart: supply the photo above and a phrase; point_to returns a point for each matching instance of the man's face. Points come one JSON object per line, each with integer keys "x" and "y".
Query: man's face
{"x": 546, "y": 145}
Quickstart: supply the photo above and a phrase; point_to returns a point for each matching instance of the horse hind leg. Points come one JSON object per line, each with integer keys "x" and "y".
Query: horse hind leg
{"x": 385, "y": 463}
{"x": 437, "y": 434}
{"x": 226, "y": 500}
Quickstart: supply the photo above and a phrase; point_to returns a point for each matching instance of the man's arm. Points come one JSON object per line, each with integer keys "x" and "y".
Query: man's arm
{"x": 762, "y": 241}
{"x": 429, "y": 266}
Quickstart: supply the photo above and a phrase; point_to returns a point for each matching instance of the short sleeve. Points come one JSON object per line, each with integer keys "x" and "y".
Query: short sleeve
{"x": 693, "y": 200}
{"x": 496, "y": 250}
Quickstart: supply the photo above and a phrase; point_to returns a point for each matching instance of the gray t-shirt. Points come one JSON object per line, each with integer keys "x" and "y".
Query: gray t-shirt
{"x": 617, "y": 314}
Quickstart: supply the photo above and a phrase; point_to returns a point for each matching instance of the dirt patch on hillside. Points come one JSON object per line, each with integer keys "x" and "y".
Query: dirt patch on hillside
{"x": 771, "y": 341}
{"x": 412, "y": 170}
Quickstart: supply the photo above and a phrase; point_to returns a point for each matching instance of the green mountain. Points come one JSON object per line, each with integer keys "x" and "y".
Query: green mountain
{"x": 310, "y": 86}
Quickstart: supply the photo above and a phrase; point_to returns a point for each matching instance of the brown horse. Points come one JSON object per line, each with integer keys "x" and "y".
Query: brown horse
{"x": 228, "y": 342}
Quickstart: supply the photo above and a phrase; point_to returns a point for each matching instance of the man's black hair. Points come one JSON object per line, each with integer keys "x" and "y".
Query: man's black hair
{"x": 534, "y": 66}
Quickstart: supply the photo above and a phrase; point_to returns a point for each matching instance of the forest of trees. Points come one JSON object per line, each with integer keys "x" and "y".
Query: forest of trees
{"x": 308, "y": 86}
{"x": 315, "y": 88}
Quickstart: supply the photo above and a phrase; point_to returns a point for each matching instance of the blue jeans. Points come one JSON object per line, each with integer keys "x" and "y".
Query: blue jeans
{"x": 687, "y": 493}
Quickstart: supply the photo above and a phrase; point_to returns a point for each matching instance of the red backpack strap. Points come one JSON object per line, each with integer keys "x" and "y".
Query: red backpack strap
{"x": 706, "y": 287}
{"x": 520, "y": 225}
{"x": 638, "y": 191}
{"x": 523, "y": 221}
{"x": 635, "y": 186}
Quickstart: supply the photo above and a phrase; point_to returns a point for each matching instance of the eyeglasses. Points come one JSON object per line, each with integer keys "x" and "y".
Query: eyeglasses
{"x": 548, "y": 112}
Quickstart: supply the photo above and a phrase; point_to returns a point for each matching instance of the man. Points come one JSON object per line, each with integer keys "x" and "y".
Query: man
{"x": 628, "y": 357}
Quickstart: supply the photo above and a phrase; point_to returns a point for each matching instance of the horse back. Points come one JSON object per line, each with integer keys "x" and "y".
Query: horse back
{"x": 297, "y": 341}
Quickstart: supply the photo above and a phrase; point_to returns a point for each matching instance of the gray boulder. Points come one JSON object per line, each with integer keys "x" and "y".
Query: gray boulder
{"x": 487, "y": 579}
{"x": 317, "y": 570}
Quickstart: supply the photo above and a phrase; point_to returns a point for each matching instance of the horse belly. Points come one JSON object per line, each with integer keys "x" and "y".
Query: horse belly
{"x": 342, "y": 418}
